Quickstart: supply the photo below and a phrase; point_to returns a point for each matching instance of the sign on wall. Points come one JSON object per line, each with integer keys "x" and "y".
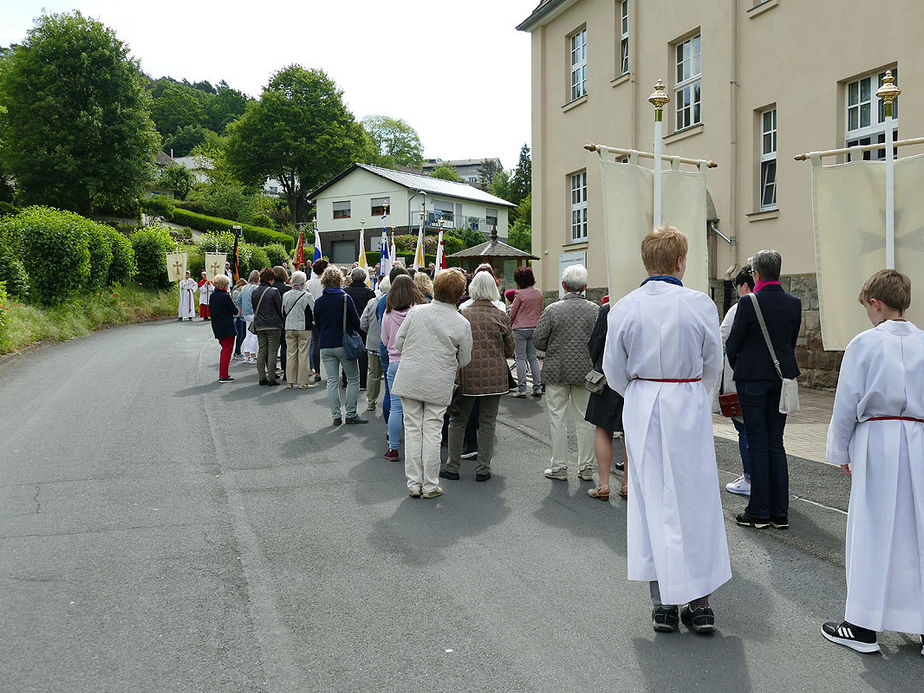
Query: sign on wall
{"x": 577, "y": 257}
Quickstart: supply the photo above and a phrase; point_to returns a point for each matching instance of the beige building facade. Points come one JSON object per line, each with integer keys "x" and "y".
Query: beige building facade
{"x": 751, "y": 84}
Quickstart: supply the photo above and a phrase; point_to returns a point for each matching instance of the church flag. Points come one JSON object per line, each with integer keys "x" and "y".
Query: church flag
{"x": 419, "y": 260}
{"x": 317, "y": 243}
{"x": 300, "y": 251}
{"x": 236, "y": 255}
{"x": 385, "y": 260}
{"x": 176, "y": 266}
{"x": 440, "y": 256}
{"x": 361, "y": 260}
{"x": 214, "y": 264}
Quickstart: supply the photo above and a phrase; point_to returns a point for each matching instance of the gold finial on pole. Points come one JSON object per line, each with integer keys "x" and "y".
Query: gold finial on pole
{"x": 888, "y": 92}
{"x": 659, "y": 97}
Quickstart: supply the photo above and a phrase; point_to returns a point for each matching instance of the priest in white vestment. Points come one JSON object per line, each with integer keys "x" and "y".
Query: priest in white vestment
{"x": 663, "y": 354}
{"x": 877, "y": 435}
{"x": 187, "y": 308}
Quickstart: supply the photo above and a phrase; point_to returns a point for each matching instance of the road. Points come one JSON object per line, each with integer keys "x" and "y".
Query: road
{"x": 161, "y": 532}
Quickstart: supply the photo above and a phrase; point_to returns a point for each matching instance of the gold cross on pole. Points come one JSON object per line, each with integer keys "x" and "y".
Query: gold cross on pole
{"x": 178, "y": 266}
{"x": 215, "y": 268}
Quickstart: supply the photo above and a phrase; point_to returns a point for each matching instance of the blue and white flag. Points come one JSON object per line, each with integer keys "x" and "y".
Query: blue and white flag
{"x": 317, "y": 244}
{"x": 385, "y": 260}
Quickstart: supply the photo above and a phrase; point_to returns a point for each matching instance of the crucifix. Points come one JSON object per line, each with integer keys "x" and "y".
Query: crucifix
{"x": 215, "y": 267}
{"x": 178, "y": 266}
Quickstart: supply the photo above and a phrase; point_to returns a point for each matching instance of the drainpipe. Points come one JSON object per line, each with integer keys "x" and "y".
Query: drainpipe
{"x": 733, "y": 129}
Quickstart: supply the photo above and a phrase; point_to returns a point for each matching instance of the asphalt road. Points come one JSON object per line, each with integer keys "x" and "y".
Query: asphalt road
{"x": 160, "y": 532}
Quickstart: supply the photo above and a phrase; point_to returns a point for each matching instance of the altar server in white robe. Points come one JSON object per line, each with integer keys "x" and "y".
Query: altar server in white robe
{"x": 663, "y": 354}
{"x": 877, "y": 436}
{"x": 187, "y": 308}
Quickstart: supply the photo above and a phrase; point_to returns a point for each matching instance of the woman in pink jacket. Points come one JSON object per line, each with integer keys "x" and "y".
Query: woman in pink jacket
{"x": 524, "y": 316}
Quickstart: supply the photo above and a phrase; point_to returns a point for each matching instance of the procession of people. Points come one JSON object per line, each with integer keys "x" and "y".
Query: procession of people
{"x": 647, "y": 367}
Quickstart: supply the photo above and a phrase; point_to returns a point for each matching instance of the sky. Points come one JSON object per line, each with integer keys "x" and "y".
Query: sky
{"x": 456, "y": 70}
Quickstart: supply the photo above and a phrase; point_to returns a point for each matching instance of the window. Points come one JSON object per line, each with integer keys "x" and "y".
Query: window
{"x": 687, "y": 83}
{"x": 443, "y": 210}
{"x": 578, "y": 64}
{"x": 866, "y": 114}
{"x": 490, "y": 217}
{"x": 768, "y": 159}
{"x": 579, "y": 206}
{"x": 341, "y": 210}
{"x": 624, "y": 42}
{"x": 380, "y": 206}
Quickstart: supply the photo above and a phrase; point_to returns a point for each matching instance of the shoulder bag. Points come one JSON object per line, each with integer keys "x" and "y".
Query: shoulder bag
{"x": 728, "y": 401}
{"x": 252, "y": 327}
{"x": 595, "y": 381}
{"x": 789, "y": 395}
{"x": 353, "y": 345}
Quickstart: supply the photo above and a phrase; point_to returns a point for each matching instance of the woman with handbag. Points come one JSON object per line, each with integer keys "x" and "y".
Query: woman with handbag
{"x": 296, "y": 309}
{"x": 336, "y": 319}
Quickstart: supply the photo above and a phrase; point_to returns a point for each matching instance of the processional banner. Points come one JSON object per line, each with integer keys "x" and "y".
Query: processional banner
{"x": 215, "y": 264}
{"x": 628, "y": 197}
{"x": 848, "y": 202}
{"x": 176, "y": 266}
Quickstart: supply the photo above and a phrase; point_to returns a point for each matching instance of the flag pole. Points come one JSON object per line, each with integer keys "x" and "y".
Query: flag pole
{"x": 658, "y": 99}
{"x": 888, "y": 92}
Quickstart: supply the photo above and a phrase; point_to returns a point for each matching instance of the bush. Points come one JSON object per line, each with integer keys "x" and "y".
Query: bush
{"x": 261, "y": 219}
{"x": 13, "y": 272}
{"x": 150, "y": 246}
{"x": 55, "y": 251}
{"x": 4, "y": 309}
{"x": 190, "y": 205}
{"x": 159, "y": 206}
{"x": 258, "y": 258}
{"x": 122, "y": 267}
{"x": 252, "y": 234}
{"x": 276, "y": 253}
{"x": 6, "y": 208}
{"x": 100, "y": 246}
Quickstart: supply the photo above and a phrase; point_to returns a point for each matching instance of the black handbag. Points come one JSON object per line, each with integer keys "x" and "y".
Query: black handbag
{"x": 353, "y": 345}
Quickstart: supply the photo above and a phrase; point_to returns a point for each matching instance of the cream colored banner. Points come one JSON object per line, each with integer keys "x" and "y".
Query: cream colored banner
{"x": 849, "y": 217}
{"x": 176, "y": 266}
{"x": 627, "y": 217}
{"x": 215, "y": 264}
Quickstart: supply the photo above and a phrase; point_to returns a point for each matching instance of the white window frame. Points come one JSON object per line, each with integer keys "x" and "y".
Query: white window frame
{"x": 855, "y": 105}
{"x": 624, "y": 37}
{"x": 768, "y": 164}
{"x": 578, "y": 206}
{"x": 577, "y": 50}
{"x": 341, "y": 206}
{"x": 688, "y": 72}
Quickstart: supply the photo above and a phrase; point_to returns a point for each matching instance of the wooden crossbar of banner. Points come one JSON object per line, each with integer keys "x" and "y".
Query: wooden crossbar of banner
{"x": 603, "y": 149}
{"x": 864, "y": 148}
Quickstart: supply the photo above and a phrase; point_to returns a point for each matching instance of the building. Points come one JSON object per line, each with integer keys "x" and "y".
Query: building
{"x": 752, "y": 83}
{"x": 364, "y": 192}
{"x": 469, "y": 170}
{"x": 202, "y": 167}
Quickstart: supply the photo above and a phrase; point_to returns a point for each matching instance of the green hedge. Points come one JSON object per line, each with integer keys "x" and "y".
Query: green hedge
{"x": 150, "y": 245}
{"x": 55, "y": 249}
{"x": 12, "y": 271}
{"x": 100, "y": 247}
{"x": 276, "y": 253}
{"x": 7, "y": 208}
{"x": 160, "y": 206}
{"x": 122, "y": 267}
{"x": 252, "y": 234}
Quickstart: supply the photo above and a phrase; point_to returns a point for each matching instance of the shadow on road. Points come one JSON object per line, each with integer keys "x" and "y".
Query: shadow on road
{"x": 675, "y": 661}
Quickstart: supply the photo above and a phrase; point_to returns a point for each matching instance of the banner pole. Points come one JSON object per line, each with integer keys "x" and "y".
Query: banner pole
{"x": 888, "y": 92}
{"x": 658, "y": 99}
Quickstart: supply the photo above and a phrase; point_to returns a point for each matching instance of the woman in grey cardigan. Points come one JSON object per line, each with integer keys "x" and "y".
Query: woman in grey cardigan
{"x": 434, "y": 341}
{"x": 296, "y": 309}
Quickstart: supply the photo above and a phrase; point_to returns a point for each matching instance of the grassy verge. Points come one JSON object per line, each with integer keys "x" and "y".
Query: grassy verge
{"x": 26, "y": 324}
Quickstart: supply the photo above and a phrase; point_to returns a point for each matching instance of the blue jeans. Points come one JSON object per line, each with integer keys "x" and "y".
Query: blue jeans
{"x": 240, "y": 327}
{"x": 395, "y": 415}
{"x": 743, "y": 447}
{"x": 386, "y": 398}
{"x": 333, "y": 360}
{"x": 760, "y": 402}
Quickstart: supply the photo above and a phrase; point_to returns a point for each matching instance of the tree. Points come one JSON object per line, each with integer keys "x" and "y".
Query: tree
{"x": 446, "y": 172}
{"x": 500, "y": 185}
{"x": 77, "y": 133}
{"x": 176, "y": 107}
{"x": 520, "y": 236}
{"x": 187, "y": 138}
{"x": 299, "y": 132}
{"x": 486, "y": 172}
{"x": 521, "y": 181}
{"x": 179, "y": 178}
{"x": 397, "y": 142}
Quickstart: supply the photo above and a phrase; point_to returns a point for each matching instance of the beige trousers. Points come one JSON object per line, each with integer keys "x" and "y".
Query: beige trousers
{"x": 423, "y": 429}
{"x": 559, "y": 398}
{"x": 297, "y": 359}
{"x": 373, "y": 379}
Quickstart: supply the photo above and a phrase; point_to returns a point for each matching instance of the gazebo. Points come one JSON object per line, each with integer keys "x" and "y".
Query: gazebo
{"x": 494, "y": 252}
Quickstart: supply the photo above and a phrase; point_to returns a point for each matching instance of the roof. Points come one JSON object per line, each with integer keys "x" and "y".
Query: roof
{"x": 415, "y": 181}
{"x": 493, "y": 248}
{"x": 161, "y": 159}
{"x": 194, "y": 163}
{"x": 544, "y": 12}
{"x": 433, "y": 163}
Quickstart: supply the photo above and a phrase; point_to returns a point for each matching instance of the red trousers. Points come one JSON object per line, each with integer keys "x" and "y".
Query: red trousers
{"x": 203, "y": 310}
{"x": 227, "y": 346}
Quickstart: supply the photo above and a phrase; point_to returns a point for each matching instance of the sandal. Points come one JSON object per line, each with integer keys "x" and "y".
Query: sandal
{"x": 601, "y": 492}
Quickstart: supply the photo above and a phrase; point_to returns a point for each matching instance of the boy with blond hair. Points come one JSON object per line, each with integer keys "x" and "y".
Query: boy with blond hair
{"x": 663, "y": 355}
{"x": 877, "y": 436}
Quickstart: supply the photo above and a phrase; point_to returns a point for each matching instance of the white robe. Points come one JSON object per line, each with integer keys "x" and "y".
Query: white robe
{"x": 676, "y": 531}
{"x": 205, "y": 293}
{"x": 882, "y": 374}
{"x": 187, "y": 307}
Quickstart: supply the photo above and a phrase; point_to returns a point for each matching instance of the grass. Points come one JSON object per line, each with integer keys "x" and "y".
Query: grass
{"x": 24, "y": 324}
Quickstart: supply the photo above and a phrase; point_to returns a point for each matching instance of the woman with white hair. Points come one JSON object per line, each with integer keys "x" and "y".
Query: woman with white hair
{"x": 249, "y": 345}
{"x": 222, "y": 311}
{"x": 484, "y": 379}
{"x": 296, "y": 309}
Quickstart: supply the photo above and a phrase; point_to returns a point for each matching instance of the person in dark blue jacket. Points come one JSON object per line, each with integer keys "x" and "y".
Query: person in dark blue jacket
{"x": 223, "y": 312}
{"x": 759, "y": 387}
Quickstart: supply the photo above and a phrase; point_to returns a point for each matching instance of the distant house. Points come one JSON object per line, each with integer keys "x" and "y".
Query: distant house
{"x": 201, "y": 168}
{"x": 468, "y": 169}
{"x": 156, "y": 187}
{"x": 364, "y": 192}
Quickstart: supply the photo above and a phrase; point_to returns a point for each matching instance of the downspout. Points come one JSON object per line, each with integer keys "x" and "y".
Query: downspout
{"x": 733, "y": 113}
{"x": 633, "y": 67}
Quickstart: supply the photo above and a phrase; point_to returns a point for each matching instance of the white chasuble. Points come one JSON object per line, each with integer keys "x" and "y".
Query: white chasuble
{"x": 882, "y": 375}
{"x": 205, "y": 292}
{"x": 187, "y": 306}
{"x": 675, "y": 527}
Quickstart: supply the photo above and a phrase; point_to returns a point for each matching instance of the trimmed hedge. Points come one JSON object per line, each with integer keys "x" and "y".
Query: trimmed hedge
{"x": 160, "y": 206}
{"x": 150, "y": 245}
{"x": 252, "y": 234}
{"x": 100, "y": 246}
{"x": 13, "y": 272}
{"x": 276, "y": 253}
{"x": 122, "y": 267}
{"x": 55, "y": 251}
{"x": 7, "y": 208}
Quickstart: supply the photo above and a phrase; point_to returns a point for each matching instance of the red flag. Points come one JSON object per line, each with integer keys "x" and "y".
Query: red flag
{"x": 300, "y": 252}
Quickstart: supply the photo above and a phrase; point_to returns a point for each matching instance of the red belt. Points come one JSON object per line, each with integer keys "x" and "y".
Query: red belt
{"x": 671, "y": 380}
{"x": 894, "y": 418}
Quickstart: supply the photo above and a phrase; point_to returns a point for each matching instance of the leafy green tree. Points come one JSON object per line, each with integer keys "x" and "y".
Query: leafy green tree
{"x": 521, "y": 181}
{"x": 398, "y": 143}
{"x": 446, "y": 172}
{"x": 179, "y": 178}
{"x": 299, "y": 132}
{"x": 226, "y": 106}
{"x": 520, "y": 236}
{"x": 500, "y": 185}
{"x": 185, "y": 139}
{"x": 77, "y": 133}
{"x": 486, "y": 172}
{"x": 177, "y": 107}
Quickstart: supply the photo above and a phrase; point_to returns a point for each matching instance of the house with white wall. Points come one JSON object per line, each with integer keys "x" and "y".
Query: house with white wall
{"x": 364, "y": 193}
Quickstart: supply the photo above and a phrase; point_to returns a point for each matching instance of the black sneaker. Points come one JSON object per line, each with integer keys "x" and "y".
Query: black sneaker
{"x": 849, "y": 635}
{"x": 781, "y": 522}
{"x": 263, "y": 381}
{"x": 356, "y": 420}
{"x": 664, "y": 619}
{"x": 700, "y": 621}
{"x": 746, "y": 520}
{"x": 225, "y": 380}
{"x": 454, "y": 476}
{"x": 483, "y": 477}
{"x": 337, "y": 422}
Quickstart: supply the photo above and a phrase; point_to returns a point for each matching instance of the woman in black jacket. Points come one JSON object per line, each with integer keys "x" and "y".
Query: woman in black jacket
{"x": 223, "y": 312}
{"x": 268, "y": 323}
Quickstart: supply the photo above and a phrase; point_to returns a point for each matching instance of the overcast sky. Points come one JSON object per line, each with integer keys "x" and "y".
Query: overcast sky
{"x": 456, "y": 70}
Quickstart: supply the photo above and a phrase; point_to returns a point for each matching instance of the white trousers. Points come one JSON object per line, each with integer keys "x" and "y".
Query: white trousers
{"x": 423, "y": 429}
{"x": 558, "y": 398}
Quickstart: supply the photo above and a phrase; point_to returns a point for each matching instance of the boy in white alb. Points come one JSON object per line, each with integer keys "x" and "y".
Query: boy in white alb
{"x": 187, "y": 289}
{"x": 877, "y": 436}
